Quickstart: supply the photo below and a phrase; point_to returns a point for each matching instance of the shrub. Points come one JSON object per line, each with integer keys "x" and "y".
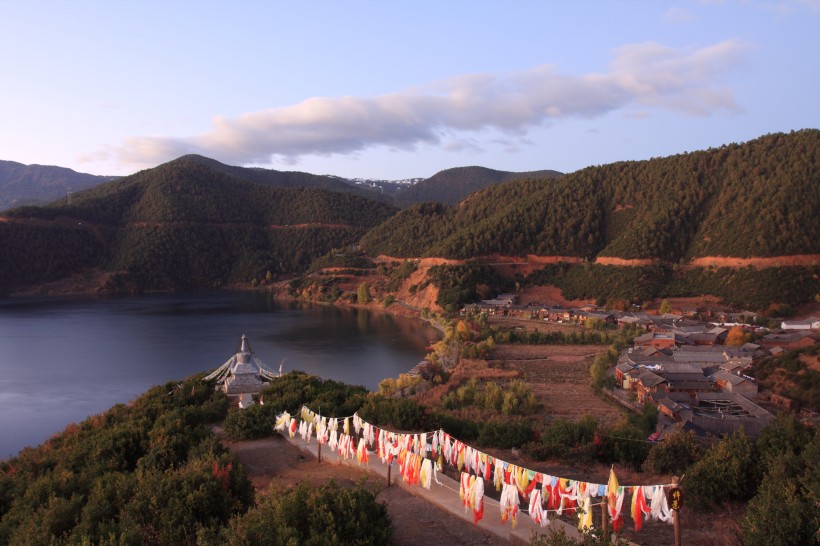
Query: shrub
{"x": 728, "y": 471}
{"x": 392, "y": 413}
{"x": 504, "y": 434}
{"x": 306, "y": 515}
{"x": 674, "y": 454}
{"x": 250, "y": 423}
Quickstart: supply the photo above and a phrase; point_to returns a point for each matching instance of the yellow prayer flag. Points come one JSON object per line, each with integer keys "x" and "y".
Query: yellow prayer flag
{"x": 612, "y": 485}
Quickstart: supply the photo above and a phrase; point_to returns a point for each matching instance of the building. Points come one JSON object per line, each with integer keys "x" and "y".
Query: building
{"x": 714, "y": 413}
{"x": 789, "y": 340}
{"x": 808, "y": 324}
{"x": 729, "y": 382}
{"x": 658, "y": 340}
{"x": 243, "y": 373}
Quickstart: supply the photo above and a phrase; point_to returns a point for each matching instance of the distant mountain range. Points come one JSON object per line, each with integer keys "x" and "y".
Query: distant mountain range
{"x": 40, "y": 184}
{"x": 37, "y": 184}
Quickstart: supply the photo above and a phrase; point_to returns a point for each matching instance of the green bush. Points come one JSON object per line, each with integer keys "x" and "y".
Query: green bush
{"x": 327, "y": 514}
{"x": 295, "y": 389}
{"x": 564, "y": 439}
{"x": 250, "y": 423}
{"x": 393, "y": 413}
{"x": 730, "y": 471}
{"x": 504, "y": 434}
{"x": 674, "y": 454}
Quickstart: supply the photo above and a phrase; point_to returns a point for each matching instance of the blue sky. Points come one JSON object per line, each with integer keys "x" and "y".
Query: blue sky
{"x": 396, "y": 90}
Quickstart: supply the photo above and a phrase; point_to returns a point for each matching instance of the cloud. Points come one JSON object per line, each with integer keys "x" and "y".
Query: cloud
{"x": 678, "y": 15}
{"x": 642, "y": 76}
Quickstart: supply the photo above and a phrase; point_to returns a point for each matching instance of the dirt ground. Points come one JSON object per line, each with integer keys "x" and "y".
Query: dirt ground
{"x": 559, "y": 378}
{"x": 416, "y": 522}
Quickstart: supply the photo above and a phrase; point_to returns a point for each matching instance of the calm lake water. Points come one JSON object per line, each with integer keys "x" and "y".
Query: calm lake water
{"x": 63, "y": 360}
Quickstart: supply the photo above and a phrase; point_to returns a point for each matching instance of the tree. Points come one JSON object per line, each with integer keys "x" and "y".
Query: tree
{"x": 364, "y": 293}
{"x": 665, "y": 307}
{"x": 599, "y": 373}
{"x": 779, "y": 514}
{"x": 728, "y": 471}
{"x": 463, "y": 330}
{"x": 736, "y": 336}
{"x": 674, "y": 455}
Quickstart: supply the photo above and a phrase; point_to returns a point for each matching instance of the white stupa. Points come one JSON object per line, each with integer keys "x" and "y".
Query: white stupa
{"x": 242, "y": 373}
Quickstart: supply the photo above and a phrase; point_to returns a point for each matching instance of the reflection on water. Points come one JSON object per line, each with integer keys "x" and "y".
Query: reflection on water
{"x": 62, "y": 360}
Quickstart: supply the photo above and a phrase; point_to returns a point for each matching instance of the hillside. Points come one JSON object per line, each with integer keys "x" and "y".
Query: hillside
{"x": 38, "y": 184}
{"x": 739, "y": 223}
{"x": 181, "y": 225}
{"x": 758, "y": 199}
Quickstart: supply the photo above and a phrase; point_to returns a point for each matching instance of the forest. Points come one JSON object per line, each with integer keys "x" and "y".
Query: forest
{"x": 182, "y": 225}
{"x": 195, "y": 223}
{"x": 745, "y": 288}
{"x": 754, "y": 199}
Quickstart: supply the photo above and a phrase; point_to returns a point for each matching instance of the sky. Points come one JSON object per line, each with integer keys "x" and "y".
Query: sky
{"x": 393, "y": 90}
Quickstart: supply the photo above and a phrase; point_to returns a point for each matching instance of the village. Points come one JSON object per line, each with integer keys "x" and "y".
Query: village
{"x": 683, "y": 361}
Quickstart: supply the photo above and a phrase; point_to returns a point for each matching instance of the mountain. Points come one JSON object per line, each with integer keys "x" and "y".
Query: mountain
{"x": 38, "y": 184}
{"x": 758, "y": 199}
{"x": 181, "y": 225}
{"x": 739, "y": 222}
{"x": 286, "y": 179}
{"x": 452, "y": 185}
{"x": 448, "y": 186}
{"x": 385, "y": 187}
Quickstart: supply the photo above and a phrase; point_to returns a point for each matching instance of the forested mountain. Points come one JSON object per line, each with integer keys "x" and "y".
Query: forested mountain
{"x": 22, "y": 185}
{"x": 755, "y": 199}
{"x": 452, "y": 185}
{"x": 448, "y": 186}
{"x": 287, "y": 179}
{"x": 38, "y": 184}
{"x": 182, "y": 225}
{"x": 194, "y": 223}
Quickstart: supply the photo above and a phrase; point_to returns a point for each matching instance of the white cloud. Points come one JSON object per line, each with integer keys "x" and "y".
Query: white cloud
{"x": 641, "y": 76}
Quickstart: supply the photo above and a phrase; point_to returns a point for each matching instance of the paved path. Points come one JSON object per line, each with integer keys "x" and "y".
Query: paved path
{"x": 444, "y": 496}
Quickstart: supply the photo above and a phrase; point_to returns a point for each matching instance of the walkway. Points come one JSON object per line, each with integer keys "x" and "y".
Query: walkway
{"x": 444, "y": 496}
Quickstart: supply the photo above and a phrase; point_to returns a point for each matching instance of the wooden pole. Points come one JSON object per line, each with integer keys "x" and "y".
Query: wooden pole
{"x": 604, "y": 514}
{"x": 675, "y": 516}
{"x": 318, "y": 440}
{"x": 389, "y": 468}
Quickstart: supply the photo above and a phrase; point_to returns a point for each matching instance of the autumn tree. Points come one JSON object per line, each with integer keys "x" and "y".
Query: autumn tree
{"x": 364, "y": 293}
{"x": 665, "y": 307}
{"x": 736, "y": 336}
{"x": 463, "y": 330}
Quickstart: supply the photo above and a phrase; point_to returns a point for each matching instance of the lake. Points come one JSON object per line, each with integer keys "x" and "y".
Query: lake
{"x": 62, "y": 360}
